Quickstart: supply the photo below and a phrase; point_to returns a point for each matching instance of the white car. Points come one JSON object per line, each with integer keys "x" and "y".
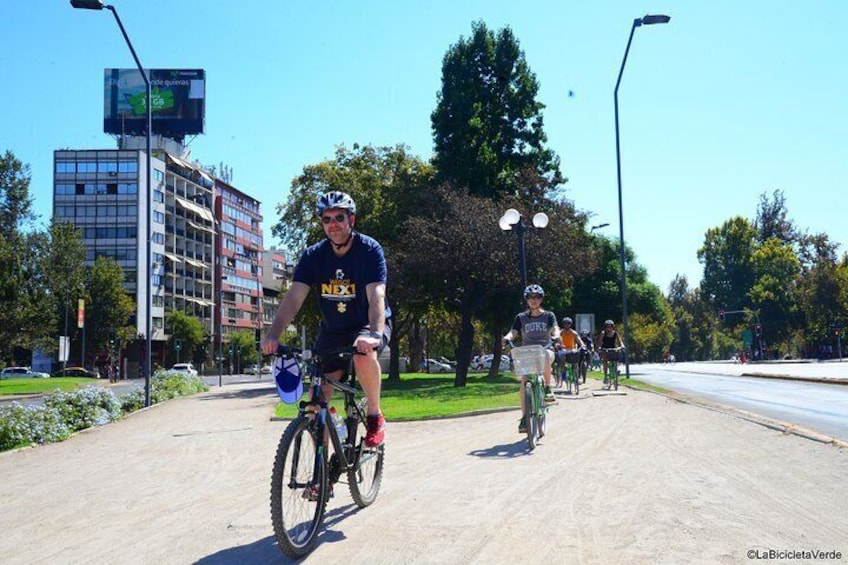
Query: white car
{"x": 186, "y": 368}
{"x": 22, "y": 373}
{"x": 434, "y": 366}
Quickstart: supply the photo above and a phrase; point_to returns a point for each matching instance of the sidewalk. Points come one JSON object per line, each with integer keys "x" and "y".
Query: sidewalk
{"x": 832, "y": 372}
{"x": 633, "y": 478}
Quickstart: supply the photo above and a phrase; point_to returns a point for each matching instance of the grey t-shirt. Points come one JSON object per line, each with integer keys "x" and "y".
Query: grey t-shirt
{"x": 535, "y": 330}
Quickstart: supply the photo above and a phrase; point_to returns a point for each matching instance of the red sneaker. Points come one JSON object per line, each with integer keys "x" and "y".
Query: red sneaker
{"x": 376, "y": 426}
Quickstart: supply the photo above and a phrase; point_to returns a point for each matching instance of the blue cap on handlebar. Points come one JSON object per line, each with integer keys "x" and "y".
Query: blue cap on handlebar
{"x": 288, "y": 379}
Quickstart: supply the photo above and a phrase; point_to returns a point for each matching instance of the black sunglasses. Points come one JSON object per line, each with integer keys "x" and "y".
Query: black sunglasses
{"x": 338, "y": 218}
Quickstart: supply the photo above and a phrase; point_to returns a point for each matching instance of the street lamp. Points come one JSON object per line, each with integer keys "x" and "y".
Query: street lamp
{"x": 649, "y": 19}
{"x": 597, "y": 227}
{"x": 98, "y": 5}
{"x": 512, "y": 220}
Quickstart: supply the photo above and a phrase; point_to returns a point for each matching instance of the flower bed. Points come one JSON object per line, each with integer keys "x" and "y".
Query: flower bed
{"x": 66, "y": 412}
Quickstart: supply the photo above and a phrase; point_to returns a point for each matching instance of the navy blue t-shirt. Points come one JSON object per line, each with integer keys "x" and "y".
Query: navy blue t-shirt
{"x": 340, "y": 281}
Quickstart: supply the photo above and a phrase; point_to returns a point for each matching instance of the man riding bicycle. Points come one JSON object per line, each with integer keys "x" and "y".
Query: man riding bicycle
{"x": 536, "y": 327}
{"x": 608, "y": 339}
{"x": 571, "y": 345}
{"x": 348, "y": 271}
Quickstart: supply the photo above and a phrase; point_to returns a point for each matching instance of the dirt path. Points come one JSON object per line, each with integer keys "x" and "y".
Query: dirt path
{"x": 629, "y": 479}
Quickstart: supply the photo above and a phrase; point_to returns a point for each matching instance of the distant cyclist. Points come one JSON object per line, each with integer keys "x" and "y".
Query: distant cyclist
{"x": 536, "y": 327}
{"x": 570, "y": 341}
{"x": 348, "y": 272}
{"x": 608, "y": 339}
{"x": 588, "y": 351}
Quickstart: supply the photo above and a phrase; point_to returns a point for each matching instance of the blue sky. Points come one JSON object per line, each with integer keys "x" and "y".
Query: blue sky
{"x": 727, "y": 101}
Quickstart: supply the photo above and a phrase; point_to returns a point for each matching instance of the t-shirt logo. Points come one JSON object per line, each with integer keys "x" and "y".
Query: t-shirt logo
{"x": 339, "y": 289}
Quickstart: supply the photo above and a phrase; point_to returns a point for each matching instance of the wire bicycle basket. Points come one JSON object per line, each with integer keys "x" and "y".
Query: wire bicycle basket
{"x": 529, "y": 359}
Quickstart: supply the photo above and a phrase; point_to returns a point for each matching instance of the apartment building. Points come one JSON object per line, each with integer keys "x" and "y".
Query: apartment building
{"x": 239, "y": 264}
{"x": 103, "y": 193}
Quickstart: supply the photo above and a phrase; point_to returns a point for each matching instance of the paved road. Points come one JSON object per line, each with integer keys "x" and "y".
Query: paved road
{"x": 820, "y": 407}
{"x": 636, "y": 478}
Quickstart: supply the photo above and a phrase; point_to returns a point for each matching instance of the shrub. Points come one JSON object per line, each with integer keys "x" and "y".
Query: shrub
{"x": 67, "y": 412}
{"x": 86, "y": 407}
{"x": 23, "y": 425}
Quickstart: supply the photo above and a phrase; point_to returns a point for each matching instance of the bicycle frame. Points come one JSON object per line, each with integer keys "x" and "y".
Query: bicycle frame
{"x": 317, "y": 409}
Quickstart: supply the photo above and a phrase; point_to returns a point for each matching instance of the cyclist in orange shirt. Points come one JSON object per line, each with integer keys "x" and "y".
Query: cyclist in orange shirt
{"x": 571, "y": 345}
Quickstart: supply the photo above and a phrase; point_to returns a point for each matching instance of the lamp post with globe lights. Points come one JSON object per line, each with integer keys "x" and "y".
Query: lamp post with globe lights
{"x": 513, "y": 221}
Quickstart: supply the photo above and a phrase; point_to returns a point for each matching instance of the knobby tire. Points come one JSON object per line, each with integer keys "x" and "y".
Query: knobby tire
{"x": 296, "y": 519}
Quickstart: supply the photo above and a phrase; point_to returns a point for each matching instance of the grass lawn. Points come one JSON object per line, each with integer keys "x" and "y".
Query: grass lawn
{"x": 41, "y": 386}
{"x": 421, "y": 396}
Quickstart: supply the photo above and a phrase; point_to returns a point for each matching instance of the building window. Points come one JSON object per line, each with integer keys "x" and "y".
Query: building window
{"x": 127, "y": 167}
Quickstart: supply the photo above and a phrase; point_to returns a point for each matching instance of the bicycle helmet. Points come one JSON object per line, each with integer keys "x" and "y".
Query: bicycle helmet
{"x": 568, "y": 321}
{"x": 534, "y": 289}
{"x": 609, "y": 323}
{"x": 336, "y": 199}
{"x": 584, "y": 333}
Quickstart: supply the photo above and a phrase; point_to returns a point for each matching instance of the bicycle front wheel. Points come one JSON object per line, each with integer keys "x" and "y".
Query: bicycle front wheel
{"x": 530, "y": 414}
{"x": 299, "y": 488}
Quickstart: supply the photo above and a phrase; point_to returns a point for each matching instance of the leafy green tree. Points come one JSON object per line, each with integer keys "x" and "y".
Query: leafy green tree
{"x": 108, "y": 306}
{"x": 488, "y": 125}
{"x": 191, "y": 334}
{"x": 244, "y": 349}
{"x": 822, "y": 289}
{"x": 23, "y": 314}
{"x": 773, "y": 294}
{"x": 64, "y": 271}
{"x": 728, "y": 269}
{"x": 772, "y": 219}
{"x": 389, "y": 185}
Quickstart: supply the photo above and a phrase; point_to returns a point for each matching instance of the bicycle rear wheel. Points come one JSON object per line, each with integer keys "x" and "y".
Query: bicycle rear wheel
{"x": 298, "y": 466}
{"x": 614, "y": 380}
{"x": 530, "y": 414}
{"x": 366, "y": 474}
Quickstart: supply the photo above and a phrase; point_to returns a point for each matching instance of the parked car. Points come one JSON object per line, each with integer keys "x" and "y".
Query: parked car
{"x": 75, "y": 372}
{"x": 433, "y": 366}
{"x": 22, "y": 373}
{"x": 486, "y": 362}
{"x": 186, "y": 368}
{"x": 266, "y": 369}
{"x": 251, "y": 370}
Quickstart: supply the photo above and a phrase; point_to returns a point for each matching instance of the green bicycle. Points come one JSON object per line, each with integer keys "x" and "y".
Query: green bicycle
{"x": 570, "y": 375}
{"x": 528, "y": 362}
{"x": 612, "y": 356}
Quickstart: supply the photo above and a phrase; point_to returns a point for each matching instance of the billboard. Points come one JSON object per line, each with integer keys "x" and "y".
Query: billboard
{"x": 178, "y": 102}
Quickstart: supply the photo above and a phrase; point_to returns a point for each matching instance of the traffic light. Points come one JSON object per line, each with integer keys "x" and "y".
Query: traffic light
{"x": 836, "y": 331}
{"x": 721, "y": 315}
{"x": 178, "y": 344}
{"x": 759, "y": 329}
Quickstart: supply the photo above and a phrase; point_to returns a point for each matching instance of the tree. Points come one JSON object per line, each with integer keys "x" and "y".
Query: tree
{"x": 64, "y": 271}
{"x": 108, "y": 306}
{"x": 488, "y": 125}
{"x": 189, "y": 333}
{"x": 727, "y": 258}
{"x": 389, "y": 185}
{"x": 244, "y": 349}
{"x": 22, "y": 315}
{"x": 771, "y": 221}
{"x": 773, "y": 294}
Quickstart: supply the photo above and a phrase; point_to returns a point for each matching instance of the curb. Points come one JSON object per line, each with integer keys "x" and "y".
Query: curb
{"x": 823, "y": 380}
{"x": 777, "y": 425}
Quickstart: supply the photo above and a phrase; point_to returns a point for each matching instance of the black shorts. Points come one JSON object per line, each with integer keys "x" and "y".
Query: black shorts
{"x": 327, "y": 340}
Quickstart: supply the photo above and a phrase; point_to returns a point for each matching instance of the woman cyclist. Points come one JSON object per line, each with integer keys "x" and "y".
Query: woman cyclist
{"x": 608, "y": 339}
{"x": 536, "y": 327}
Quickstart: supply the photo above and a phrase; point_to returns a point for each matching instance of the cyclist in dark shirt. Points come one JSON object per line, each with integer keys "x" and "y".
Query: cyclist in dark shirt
{"x": 348, "y": 272}
{"x": 609, "y": 339}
